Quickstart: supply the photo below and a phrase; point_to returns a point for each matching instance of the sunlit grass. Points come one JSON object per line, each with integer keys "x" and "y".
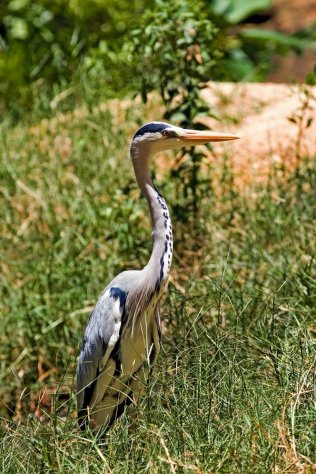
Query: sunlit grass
{"x": 234, "y": 389}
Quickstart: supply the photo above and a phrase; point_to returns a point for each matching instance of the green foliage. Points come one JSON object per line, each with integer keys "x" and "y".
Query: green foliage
{"x": 280, "y": 42}
{"x": 311, "y": 77}
{"x": 234, "y": 389}
{"x": 43, "y": 42}
{"x": 83, "y": 50}
{"x": 249, "y": 49}
{"x": 235, "y": 11}
{"x": 303, "y": 117}
{"x": 176, "y": 48}
{"x": 175, "y": 51}
{"x": 33, "y": 45}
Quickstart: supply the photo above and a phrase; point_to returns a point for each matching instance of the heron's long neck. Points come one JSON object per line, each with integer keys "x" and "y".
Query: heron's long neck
{"x": 159, "y": 263}
{"x": 161, "y": 255}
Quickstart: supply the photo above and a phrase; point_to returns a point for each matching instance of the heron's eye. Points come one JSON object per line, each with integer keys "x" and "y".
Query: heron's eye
{"x": 168, "y": 133}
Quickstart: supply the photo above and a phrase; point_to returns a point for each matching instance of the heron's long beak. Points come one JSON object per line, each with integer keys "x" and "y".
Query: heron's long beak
{"x": 201, "y": 136}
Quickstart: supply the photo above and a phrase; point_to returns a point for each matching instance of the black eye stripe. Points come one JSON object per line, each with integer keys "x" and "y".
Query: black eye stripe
{"x": 169, "y": 133}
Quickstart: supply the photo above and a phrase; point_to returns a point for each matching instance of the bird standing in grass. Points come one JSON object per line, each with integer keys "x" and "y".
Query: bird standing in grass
{"x": 122, "y": 337}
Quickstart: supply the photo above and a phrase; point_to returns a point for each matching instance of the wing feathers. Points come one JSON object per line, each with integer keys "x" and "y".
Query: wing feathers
{"x": 101, "y": 335}
{"x": 120, "y": 344}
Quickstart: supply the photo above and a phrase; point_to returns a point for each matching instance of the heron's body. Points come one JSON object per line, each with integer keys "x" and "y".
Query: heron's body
{"x": 122, "y": 337}
{"x": 127, "y": 352}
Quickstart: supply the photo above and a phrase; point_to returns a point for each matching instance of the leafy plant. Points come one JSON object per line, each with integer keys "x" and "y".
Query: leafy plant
{"x": 81, "y": 50}
{"x": 175, "y": 51}
{"x": 248, "y": 49}
{"x": 45, "y": 43}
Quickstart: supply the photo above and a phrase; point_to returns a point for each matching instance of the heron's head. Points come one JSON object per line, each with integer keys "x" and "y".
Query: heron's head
{"x": 158, "y": 136}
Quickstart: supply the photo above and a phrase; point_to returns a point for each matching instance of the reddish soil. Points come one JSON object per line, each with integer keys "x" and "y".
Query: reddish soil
{"x": 260, "y": 114}
{"x": 292, "y": 15}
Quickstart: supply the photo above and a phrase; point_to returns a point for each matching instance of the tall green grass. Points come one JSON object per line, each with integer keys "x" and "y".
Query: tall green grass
{"x": 234, "y": 389}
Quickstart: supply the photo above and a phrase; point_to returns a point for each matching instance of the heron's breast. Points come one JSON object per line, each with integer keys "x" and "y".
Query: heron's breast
{"x": 139, "y": 342}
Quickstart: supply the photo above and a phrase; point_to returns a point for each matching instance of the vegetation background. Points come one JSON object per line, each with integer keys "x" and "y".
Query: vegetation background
{"x": 234, "y": 390}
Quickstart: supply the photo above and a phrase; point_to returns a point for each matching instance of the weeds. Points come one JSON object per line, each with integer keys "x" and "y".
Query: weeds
{"x": 303, "y": 117}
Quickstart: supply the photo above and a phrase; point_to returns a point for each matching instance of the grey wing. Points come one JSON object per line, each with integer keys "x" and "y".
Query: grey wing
{"x": 100, "y": 338}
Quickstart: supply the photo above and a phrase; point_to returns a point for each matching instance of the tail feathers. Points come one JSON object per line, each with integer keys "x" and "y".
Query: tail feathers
{"x": 86, "y": 419}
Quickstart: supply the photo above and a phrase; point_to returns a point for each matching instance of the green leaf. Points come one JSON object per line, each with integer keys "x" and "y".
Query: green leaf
{"x": 16, "y": 5}
{"x": 311, "y": 79}
{"x": 235, "y": 11}
{"x": 278, "y": 39}
{"x": 177, "y": 117}
{"x": 18, "y": 27}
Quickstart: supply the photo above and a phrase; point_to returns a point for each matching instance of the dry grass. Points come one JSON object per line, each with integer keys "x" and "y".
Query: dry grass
{"x": 234, "y": 389}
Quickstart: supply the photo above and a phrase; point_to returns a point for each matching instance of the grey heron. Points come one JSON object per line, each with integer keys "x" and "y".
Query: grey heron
{"x": 122, "y": 337}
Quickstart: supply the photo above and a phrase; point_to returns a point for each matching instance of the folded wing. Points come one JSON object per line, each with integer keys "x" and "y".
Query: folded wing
{"x": 97, "y": 360}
